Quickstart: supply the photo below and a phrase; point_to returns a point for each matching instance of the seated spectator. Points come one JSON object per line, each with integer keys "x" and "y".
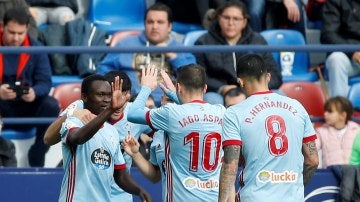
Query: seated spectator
{"x": 190, "y": 11}
{"x": 7, "y": 4}
{"x": 7, "y": 151}
{"x": 336, "y": 136}
{"x": 230, "y": 28}
{"x": 234, "y": 96}
{"x": 158, "y": 25}
{"x": 25, "y": 81}
{"x": 53, "y": 11}
{"x": 341, "y": 25}
{"x": 275, "y": 14}
{"x": 355, "y": 152}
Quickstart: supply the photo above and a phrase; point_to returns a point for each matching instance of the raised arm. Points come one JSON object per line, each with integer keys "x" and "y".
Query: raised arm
{"x": 131, "y": 146}
{"x": 118, "y": 100}
{"x": 52, "y": 135}
{"x": 311, "y": 160}
{"x": 228, "y": 172}
{"x": 137, "y": 113}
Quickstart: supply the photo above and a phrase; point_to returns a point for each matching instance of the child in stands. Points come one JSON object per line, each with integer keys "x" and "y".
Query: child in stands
{"x": 336, "y": 136}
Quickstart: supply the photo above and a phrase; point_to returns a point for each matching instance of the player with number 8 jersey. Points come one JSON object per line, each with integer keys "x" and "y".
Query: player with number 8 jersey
{"x": 276, "y": 138}
{"x": 192, "y": 132}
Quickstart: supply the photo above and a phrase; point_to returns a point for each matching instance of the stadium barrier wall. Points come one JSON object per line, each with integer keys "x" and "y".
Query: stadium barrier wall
{"x": 43, "y": 185}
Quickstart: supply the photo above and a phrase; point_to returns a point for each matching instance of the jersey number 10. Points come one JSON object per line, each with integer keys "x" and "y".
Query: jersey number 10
{"x": 209, "y": 140}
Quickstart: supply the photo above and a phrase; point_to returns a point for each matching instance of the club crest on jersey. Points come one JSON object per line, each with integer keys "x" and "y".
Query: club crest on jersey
{"x": 101, "y": 158}
{"x": 195, "y": 183}
{"x": 265, "y": 176}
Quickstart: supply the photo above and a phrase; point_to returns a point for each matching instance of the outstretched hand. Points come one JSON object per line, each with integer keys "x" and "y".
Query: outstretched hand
{"x": 131, "y": 145}
{"x": 149, "y": 77}
{"x": 168, "y": 84}
{"x": 292, "y": 10}
{"x": 119, "y": 98}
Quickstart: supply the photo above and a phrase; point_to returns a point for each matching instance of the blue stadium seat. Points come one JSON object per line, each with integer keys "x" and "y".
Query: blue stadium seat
{"x": 354, "y": 95}
{"x": 301, "y": 64}
{"x": 191, "y": 37}
{"x": 113, "y": 16}
{"x": 184, "y": 28}
{"x": 13, "y": 134}
{"x": 354, "y": 80}
{"x": 61, "y": 79}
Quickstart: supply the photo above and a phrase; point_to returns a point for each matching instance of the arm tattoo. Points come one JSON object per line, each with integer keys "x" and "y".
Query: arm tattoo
{"x": 231, "y": 153}
{"x": 228, "y": 171}
{"x": 309, "y": 169}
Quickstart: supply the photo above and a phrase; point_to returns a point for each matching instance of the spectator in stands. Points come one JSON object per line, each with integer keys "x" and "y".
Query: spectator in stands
{"x": 230, "y": 28}
{"x": 355, "y": 153}
{"x": 341, "y": 25}
{"x": 234, "y": 96}
{"x": 275, "y": 14}
{"x": 158, "y": 25}
{"x": 7, "y": 4}
{"x": 190, "y": 11}
{"x": 7, "y": 150}
{"x": 53, "y": 11}
{"x": 25, "y": 81}
{"x": 336, "y": 136}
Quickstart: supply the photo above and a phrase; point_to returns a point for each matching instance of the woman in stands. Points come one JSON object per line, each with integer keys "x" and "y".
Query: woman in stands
{"x": 230, "y": 27}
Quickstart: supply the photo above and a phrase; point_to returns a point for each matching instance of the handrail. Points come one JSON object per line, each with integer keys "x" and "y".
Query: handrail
{"x": 192, "y": 49}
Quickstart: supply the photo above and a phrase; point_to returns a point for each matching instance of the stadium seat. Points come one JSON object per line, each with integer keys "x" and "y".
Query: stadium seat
{"x": 191, "y": 37}
{"x": 354, "y": 95}
{"x": 309, "y": 94}
{"x": 184, "y": 28}
{"x": 120, "y": 35}
{"x": 113, "y": 16}
{"x": 301, "y": 63}
{"x": 62, "y": 79}
{"x": 67, "y": 93}
{"x": 22, "y": 139}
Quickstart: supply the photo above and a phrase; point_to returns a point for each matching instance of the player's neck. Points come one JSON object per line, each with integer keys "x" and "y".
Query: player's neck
{"x": 191, "y": 97}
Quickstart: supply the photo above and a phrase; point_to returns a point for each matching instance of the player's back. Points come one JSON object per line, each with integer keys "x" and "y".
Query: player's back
{"x": 193, "y": 140}
{"x": 272, "y": 129}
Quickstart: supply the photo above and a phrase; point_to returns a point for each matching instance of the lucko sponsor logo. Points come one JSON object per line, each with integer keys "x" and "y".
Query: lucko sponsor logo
{"x": 273, "y": 177}
{"x": 194, "y": 183}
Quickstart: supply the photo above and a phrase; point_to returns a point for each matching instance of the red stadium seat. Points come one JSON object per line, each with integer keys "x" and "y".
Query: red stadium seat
{"x": 67, "y": 93}
{"x": 309, "y": 94}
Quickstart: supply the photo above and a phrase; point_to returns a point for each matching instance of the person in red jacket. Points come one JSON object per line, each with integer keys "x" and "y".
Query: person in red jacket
{"x": 25, "y": 81}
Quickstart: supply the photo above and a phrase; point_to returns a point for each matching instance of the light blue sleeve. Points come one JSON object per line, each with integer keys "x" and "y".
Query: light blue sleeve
{"x": 67, "y": 125}
{"x": 173, "y": 96}
{"x": 231, "y": 130}
{"x": 137, "y": 112}
{"x": 78, "y": 104}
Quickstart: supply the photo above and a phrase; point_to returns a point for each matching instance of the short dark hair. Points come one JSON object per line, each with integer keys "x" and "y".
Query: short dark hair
{"x": 341, "y": 104}
{"x": 233, "y": 92}
{"x": 20, "y": 15}
{"x": 251, "y": 66}
{"x": 160, "y": 7}
{"x": 110, "y": 76}
{"x": 192, "y": 76}
{"x": 232, "y": 3}
{"x": 87, "y": 82}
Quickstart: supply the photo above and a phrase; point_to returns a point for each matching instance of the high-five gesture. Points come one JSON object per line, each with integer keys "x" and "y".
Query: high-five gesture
{"x": 149, "y": 77}
{"x": 119, "y": 98}
{"x": 168, "y": 84}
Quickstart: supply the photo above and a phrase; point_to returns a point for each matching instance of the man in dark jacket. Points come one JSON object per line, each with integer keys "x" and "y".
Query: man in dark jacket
{"x": 231, "y": 28}
{"x": 25, "y": 80}
{"x": 341, "y": 25}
